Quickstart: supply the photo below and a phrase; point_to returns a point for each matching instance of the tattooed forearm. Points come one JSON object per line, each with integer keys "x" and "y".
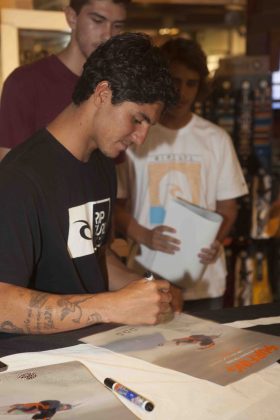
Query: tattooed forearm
{"x": 9, "y": 327}
{"x": 72, "y": 307}
{"x": 27, "y": 311}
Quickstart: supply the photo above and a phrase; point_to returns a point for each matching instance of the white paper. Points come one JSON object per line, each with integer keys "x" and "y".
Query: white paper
{"x": 196, "y": 228}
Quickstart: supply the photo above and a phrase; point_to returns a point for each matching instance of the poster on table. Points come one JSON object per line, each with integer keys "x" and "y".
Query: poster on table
{"x": 197, "y": 347}
{"x": 62, "y": 391}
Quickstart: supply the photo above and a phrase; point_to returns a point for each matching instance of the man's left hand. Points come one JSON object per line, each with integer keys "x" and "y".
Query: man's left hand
{"x": 210, "y": 255}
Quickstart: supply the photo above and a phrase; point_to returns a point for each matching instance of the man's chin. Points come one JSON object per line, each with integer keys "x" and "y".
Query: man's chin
{"x": 117, "y": 155}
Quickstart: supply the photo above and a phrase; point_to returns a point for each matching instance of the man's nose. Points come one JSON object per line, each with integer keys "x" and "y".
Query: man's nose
{"x": 184, "y": 92}
{"x": 139, "y": 135}
{"x": 107, "y": 31}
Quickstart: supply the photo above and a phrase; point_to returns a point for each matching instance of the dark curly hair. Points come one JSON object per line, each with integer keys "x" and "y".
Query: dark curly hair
{"x": 134, "y": 68}
{"x": 78, "y": 4}
{"x": 189, "y": 53}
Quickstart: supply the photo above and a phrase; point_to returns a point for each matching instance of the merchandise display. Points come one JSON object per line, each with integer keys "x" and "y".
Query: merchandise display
{"x": 242, "y": 105}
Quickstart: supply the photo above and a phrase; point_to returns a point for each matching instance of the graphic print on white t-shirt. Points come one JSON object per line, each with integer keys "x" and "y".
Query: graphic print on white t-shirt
{"x": 88, "y": 225}
{"x": 172, "y": 176}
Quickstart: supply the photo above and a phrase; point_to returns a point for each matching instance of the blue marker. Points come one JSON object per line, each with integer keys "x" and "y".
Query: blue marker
{"x": 129, "y": 394}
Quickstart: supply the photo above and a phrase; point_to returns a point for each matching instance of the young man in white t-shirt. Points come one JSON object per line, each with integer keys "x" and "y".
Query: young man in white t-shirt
{"x": 188, "y": 156}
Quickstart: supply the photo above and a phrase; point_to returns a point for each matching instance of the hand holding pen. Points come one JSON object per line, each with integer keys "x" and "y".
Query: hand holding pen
{"x": 177, "y": 297}
{"x": 168, "y": 315}
{"x": 139, "y": 302}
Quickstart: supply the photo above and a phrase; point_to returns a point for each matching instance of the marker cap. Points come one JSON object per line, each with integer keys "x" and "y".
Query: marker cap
{"x": 109, "y": 382}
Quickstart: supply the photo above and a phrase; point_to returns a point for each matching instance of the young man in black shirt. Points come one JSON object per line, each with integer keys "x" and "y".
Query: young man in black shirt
{"x": 57, "y": 191}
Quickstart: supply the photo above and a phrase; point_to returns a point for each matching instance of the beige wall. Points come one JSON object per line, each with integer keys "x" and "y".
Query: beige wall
{"x": 20, "y": 4}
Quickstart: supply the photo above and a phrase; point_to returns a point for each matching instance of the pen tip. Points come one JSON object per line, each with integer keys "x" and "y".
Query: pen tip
{"x": 149, "y": 406}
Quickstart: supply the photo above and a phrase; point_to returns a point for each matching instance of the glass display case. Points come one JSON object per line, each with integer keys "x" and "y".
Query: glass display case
{"x": 27, "y": 35}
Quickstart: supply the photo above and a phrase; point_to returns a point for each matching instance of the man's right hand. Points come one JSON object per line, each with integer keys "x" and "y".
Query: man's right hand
{"x": 26, "y": 311}
{"x": 141, "y": 302}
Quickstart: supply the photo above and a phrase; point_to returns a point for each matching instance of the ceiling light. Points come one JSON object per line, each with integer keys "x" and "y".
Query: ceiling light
{"x": 169, "y": 31}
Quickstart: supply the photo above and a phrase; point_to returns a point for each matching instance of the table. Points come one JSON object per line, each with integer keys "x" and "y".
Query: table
{"x": 254, "y": 397}
{"x": 15, "y": 343}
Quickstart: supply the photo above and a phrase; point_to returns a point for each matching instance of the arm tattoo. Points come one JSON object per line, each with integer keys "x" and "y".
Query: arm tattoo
{"x": 48, "y": 317}
{"x": 38, "y": 299}
{"x": 94, "y": 318}
{"x": 9, "y": 327}
{"x": 27, "y": 321}
{"x": 69, "y": 307}
{"x": 42, "y": 318}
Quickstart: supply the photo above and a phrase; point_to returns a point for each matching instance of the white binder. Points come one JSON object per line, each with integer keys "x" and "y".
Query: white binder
{"x": 196, "y": 228}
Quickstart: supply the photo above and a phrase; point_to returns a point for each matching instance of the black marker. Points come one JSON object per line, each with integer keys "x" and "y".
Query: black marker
{"x": 129, "y": 394}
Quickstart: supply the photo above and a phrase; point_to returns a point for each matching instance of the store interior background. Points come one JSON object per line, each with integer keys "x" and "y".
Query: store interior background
{"x": 242, "y": 42}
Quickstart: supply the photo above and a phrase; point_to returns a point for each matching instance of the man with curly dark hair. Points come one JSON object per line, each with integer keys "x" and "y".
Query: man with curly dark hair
{"x": 58, "y": 190}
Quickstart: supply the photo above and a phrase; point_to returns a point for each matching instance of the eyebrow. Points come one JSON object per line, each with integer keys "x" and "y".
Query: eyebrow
{"x": 95, "y": 14}
{"x": 147, "y": 119}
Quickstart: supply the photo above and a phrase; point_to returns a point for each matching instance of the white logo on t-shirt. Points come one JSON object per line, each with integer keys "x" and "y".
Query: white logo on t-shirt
{"x": 88, "y": 225}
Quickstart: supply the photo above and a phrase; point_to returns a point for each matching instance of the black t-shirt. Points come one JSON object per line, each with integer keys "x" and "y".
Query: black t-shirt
{"x": 55, "y": 214}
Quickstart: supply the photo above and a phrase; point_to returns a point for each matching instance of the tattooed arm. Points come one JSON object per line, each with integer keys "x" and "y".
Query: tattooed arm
{"x": 32, "y": 312}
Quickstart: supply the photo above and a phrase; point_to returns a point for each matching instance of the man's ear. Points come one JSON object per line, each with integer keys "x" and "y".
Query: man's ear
{"x": 102, "y": 93}
{"x": 71, "y": 17}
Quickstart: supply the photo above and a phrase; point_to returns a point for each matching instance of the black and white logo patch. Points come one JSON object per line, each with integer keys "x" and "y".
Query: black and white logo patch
{"x": 88, "y": 224}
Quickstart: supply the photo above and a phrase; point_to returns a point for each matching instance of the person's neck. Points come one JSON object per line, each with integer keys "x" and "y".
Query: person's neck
{"x": 175, "y": 122}
{"x": 67, "y": 128}
{"x": 72, "y": 58}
